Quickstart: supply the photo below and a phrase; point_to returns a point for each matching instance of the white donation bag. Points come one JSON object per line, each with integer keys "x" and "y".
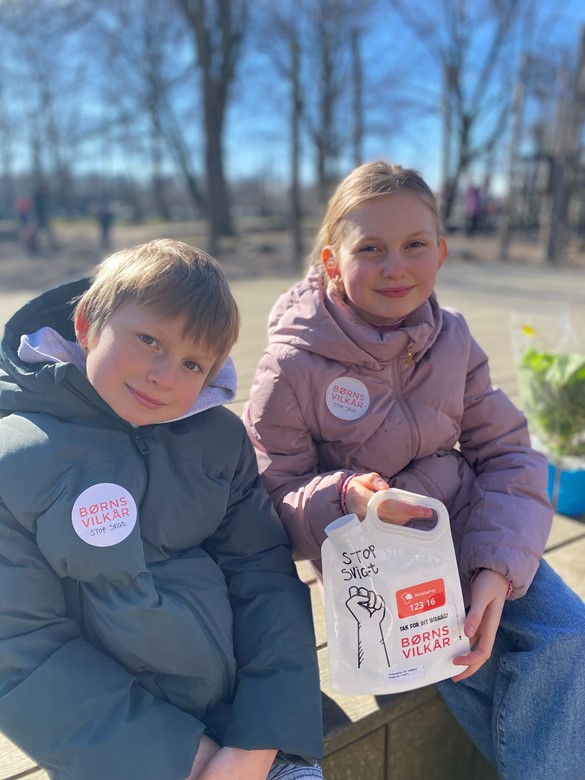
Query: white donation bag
{"x": 393, "y": 600}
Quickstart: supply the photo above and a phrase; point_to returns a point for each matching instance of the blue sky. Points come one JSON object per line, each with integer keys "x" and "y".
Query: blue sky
{"x": 255, "y": 141}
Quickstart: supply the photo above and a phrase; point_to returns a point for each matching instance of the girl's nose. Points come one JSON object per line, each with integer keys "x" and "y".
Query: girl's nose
{"x": 394, "y": 264}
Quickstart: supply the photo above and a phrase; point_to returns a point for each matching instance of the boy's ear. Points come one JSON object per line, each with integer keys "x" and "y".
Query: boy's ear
{"x": 81, "y": 329}
{"x": 329, "y": 262}
{"x": 443, "y": 251}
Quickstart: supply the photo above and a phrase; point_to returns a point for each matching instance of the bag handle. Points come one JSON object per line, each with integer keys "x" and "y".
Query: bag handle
{"x": 406, "y": 497}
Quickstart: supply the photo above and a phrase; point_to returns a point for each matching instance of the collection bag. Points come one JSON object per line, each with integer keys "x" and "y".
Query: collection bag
{"x": 393, "y": 601}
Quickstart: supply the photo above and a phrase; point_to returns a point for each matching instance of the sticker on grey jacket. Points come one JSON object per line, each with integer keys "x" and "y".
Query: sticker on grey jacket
{"x": 347, "y": 398}
{"x": 104, "y": 514}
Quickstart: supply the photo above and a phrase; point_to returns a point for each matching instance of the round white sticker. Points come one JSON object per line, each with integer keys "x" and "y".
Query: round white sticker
{"x": 104, "y": 514}
{"x": 347, "y": 398}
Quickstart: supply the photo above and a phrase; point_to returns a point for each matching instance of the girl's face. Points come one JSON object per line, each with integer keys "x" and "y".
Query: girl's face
{"x": 388, "y": 257}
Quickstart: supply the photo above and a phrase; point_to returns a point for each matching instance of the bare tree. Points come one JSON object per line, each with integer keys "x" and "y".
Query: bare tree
{"x": 357, "y": 81}
{"x": 8, "y": 135}
{"x": 565, "y": 158}
{"x": 46, "y": 83}
{"x": 144, "y": 82}
{"x": 333, "y": 76}
{"x": 278, "y": 25}
{"x": 218, "y": 29}
{"x": 473, "y": 44}
{"x": 504, "y": 227}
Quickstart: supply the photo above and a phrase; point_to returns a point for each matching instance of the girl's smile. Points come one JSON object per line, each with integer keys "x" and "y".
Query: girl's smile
{"x": 388, "y": 257}
{"x": 395, "y": 292}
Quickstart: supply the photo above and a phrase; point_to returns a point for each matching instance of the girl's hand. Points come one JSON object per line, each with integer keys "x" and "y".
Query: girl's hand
{"x": 363, "y": 486}
{"x": 488, "y": 595}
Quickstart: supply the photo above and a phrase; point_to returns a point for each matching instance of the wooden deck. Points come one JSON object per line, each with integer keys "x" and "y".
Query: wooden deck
{"x": 370, "y": 737}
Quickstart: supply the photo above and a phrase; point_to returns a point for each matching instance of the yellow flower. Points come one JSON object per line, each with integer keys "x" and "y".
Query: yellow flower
{"x": 528, "y": 330}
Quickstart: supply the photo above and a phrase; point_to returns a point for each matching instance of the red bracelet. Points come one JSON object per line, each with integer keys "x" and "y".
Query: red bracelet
{"x": 343, "y": 494}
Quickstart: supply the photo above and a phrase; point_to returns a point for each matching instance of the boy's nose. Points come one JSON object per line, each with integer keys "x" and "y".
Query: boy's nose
{"x": 162, "y": 373}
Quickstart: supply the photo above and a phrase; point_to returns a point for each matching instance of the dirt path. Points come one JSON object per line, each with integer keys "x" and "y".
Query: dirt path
{"x": 254, "y": 253}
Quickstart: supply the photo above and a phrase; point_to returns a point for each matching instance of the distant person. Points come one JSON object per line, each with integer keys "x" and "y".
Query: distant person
{"x": 473, "y": 205}
{"x": 105, "y": 219}
{"x": 153, "y": 624}
{"x": 367, "y": 382}
{"x": 26, "y": 231}
{"x": 43, "y": 228}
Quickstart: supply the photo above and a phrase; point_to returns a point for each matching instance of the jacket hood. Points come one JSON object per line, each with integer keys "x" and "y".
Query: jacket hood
{"x": 39, "y": 355}
{"x": 312, "y": 316}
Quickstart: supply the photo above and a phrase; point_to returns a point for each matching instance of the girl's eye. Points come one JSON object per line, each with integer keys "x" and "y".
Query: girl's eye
{"x": 368, "y": 249}
{"x": 150, "y": 340}
{"x": 191, "y": 365}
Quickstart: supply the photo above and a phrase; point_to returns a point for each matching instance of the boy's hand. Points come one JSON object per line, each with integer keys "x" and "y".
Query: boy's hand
{"x": 363, "y": 486}
{"x": 488, "y": 595}
{"x": 231, "y": 763}
{"x": 207, "y": 749}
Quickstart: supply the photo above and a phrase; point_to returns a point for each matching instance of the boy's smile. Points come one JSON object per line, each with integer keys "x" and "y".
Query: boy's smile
{"x": 143, "y": 365}
{"x": 388, "y": 258}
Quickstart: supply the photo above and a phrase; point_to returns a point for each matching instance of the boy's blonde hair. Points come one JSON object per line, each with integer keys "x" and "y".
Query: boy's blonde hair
{"x": 173, "y": 278}
{"x": 368, "y": 181}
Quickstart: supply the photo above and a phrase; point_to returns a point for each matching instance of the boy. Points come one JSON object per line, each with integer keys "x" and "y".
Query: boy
{"x": 151, "y": 621}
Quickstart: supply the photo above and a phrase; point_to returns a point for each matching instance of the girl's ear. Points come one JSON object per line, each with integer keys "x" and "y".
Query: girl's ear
{"x": 81, "y": 329}
{"x": 329, "y": 262}
{"x": 443, "y": 251}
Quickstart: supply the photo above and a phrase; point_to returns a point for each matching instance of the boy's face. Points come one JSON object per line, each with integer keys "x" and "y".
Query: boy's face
{"x": 388, "y": 257}
{"x": 143, "y": 366}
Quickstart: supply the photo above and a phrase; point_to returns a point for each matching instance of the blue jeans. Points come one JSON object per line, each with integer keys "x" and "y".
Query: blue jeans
{"x": 525, "y": 707}
{"x": 295, "y": 772}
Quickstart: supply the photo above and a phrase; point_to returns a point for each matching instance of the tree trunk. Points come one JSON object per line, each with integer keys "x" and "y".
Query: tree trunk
{"x": 295, "y": 195}
{"x": 218, "y": 205}
{"x": 517, "y": 109}
{"x": 564, "y": 163}
{"x": 218, "y": 39}
{"x": 358, "y": 109}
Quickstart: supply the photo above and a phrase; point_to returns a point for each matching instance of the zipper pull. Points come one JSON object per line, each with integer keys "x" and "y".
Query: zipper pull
{"x": 140, "y": 443}
{"x": 409, "y": 360}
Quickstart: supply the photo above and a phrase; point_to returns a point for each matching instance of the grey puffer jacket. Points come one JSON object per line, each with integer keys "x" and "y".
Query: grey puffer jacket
{"x": 333, "y": 397}
{"x": 147, "y": 589}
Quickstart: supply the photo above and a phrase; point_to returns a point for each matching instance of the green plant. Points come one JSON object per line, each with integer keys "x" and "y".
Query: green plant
{"x": 552, "y": 387}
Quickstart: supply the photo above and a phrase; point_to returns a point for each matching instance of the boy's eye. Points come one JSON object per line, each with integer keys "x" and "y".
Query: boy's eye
{"x": 147, "y": 339}
{"x": 191, "y": 365}
{"x": 416, "y": 244}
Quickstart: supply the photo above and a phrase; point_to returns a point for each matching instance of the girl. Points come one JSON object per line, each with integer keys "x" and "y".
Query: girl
{"x": 367, "y": 383}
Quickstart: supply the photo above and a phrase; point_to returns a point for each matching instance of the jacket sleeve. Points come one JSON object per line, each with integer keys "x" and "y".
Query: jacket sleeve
{"x": 305, "y": 499}
{"x": 71, "y": 708}
{"x": 278, "y": 699}
{"x": 510, "y": 515}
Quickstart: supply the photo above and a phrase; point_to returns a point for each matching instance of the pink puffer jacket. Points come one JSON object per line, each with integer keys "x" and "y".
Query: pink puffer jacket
{"x": 332, "y": 397}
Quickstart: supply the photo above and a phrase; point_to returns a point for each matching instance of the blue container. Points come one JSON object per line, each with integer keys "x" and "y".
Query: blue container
{"x": 570, "y": 499}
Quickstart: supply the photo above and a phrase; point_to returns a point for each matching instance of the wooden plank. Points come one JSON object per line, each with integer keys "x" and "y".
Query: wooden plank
{"x": 13, "y": 762}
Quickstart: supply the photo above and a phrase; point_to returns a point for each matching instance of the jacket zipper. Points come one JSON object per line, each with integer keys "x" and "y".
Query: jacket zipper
{"x": 401, "y": 401}
{"x": 139, "y": 441}
{"x": 142, "y": 446}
